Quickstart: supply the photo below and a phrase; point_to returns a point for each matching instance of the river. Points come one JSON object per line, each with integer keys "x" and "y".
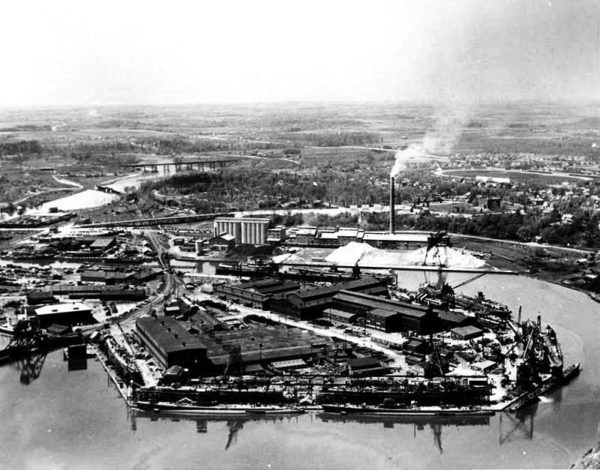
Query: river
{"x": 77, "y": 420}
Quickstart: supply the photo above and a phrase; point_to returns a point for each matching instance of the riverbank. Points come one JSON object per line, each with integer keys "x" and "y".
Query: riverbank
{"x": 591, "y": 459}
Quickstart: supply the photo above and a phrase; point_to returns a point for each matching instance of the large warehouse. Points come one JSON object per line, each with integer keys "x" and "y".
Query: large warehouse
{"x": 406, "y": 316}
{"x": 65, "y": 314}
{"x": 170, "y": 343}
{"x": 255, "y": 294}
{"x": 311, "y": 303}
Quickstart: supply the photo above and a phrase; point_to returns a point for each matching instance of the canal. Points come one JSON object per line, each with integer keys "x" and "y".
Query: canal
{"x": 76, "y": 419}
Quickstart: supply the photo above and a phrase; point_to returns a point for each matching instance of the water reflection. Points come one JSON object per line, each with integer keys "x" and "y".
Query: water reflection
{"x": 516, "y": 425}
{"x": 436, "y": 424}
{"x": 30, "y": 367}
{"x": 234, "y": 424}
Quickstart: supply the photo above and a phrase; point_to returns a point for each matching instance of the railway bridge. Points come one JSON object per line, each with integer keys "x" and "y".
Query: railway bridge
{"x": 201, "y": 164}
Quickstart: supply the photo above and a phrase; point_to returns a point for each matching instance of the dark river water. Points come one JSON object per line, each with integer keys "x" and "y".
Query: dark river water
{"x": 76, "y": 420}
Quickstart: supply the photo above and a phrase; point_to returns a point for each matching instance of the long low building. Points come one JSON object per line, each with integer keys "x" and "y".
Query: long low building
{"x": 171, "y": 344}
{"x": 403, "y": 316}
{"x": 99, "y": 292}
{"x": 311, "y": 303}
{"x": 327, "y": 237}
{"x": 255, "y": 294}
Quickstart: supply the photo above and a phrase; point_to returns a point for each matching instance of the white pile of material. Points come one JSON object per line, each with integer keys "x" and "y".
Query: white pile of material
{"x": 366, "y": 255}
{"x": 290, "y": 257}
{"x": 445, "y": 256}
{"x": 83, "y": 200}
{"x": 351, "y": 253}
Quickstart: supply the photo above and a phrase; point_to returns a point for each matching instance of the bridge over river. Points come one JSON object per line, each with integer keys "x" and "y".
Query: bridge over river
{"x": 201, "y": 164}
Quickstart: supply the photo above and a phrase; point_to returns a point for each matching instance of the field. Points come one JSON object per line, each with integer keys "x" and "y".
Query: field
{"x": 515, "y": 176}
{"x": 353, "y": 142}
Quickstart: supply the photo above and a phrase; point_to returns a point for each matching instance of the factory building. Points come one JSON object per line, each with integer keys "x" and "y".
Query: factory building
{"x": 311, "y": 303}
{"x": 252, "y": 231}
{"x": 340, "y": 316}
{"x": 277, "y": 235}
{"x": 99, "y": 292}
{"x": 259, "y": 346}
{"x": 38, "y": 297}
{"x": 99, "y": 245}
{"x": 106, "y": 277}
{"x": 383, "y": 320}
{"x": 65, "y": 314}
{"x": 170, "y": 343}
{"x": 255, "y": 294}
{"x": 465, "y": 333}
{"x": 408, "y": 316}
{"x": 367, "y": 365}
{"x": 328, "y": 237}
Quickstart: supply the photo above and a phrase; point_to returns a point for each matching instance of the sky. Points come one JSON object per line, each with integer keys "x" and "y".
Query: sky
{"x": 186, "y": 52}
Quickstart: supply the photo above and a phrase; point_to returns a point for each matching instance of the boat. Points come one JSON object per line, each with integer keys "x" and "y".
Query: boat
{"x": 419, "y": 412}
{"x": 186, "y": 408}
{"x": 547, "y": 386}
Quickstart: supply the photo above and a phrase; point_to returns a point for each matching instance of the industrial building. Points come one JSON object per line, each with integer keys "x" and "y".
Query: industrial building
{"x": 106, "y": 277}
{"x": 99, "y": 292}
{"x": 171, "y": 344}
{"x": 64, "y": 314}
{"x": 340, "y": 316}
{"x": 38, "y": 297}
{"x": 255, "y": 294}
{"x": 409, "y": 317}
{"x": 252, "y": 231}
{"x": 367, "y": 365}
{"x": 276, "y": 235}
{"x": 328, "y": 237}
{"x": 102, "y": 244}
{"x": 466, "y": 332}
{"x": 311, "y": 303}
{"x": 258, "y": 345}
{"x": 383, "y": 320}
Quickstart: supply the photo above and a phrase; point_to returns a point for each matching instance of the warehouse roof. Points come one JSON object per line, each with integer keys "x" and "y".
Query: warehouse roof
{"x": 455, "y": 318}
{"x": 374, "y": 302}
{"x": 366, "y": 362}
{"x": 168, "y": 334}
{"x": 381, "y": 313}
{"x": 63, "y": 308}
{"x": 340, "y": 313}
{"x": 468, "y": 330}
{"x": 357, "y": 284}
{"x": 102, "y": 243}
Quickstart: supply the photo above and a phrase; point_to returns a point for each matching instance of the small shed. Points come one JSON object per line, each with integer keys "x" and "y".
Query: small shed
{"x": 465, "y": 333}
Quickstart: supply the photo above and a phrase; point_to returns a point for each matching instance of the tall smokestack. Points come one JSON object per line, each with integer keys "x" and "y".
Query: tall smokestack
{"x": 392, "y": 205}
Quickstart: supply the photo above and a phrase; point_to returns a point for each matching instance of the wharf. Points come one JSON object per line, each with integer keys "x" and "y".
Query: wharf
{"x": 112, "y": 375}
{"x": 399, "y": 268}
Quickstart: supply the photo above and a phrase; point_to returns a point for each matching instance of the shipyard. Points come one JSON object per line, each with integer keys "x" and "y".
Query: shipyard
{"x": 337, "y": 336}
{"x": 340, "y": 234}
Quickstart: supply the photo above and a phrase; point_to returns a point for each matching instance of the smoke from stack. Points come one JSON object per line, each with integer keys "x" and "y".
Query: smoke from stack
{"x": 439, "y": 141}
{"x": 392, "y": 205}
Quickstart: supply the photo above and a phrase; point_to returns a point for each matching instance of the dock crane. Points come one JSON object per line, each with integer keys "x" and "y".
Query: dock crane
{"x": 436, "y": 240}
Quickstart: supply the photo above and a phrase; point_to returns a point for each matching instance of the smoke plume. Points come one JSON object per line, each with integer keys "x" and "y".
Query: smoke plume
{"x": 438, "y": 142}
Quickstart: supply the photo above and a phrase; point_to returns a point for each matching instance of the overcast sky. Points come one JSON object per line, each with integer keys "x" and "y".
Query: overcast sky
{"x": 112, "y": 52}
